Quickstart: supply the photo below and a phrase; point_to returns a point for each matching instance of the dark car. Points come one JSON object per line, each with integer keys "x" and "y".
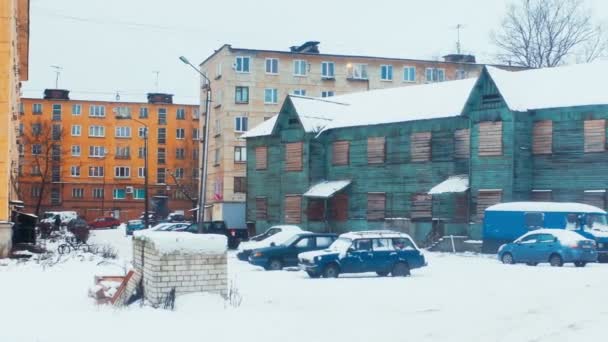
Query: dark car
{"x": 284, "y": 255}
{"x": 104, "y": 222}
{"x": 384, "y": 252}
{"x": 235, "y": 236}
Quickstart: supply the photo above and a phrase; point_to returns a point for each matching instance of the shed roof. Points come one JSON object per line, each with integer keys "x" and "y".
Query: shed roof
{"x": 326, "y": 189}
{"x": 458, "y": 183}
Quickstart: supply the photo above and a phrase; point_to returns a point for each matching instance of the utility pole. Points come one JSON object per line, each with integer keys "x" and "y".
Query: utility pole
{"x": 458, "y": 46}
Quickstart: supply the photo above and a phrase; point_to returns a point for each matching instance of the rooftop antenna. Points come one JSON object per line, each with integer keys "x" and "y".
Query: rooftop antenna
{"x": 117, "y": 95}
{"x": 458, "y": 46}
{"x": 157, "y": 76}
{"x": 57, "y": 69}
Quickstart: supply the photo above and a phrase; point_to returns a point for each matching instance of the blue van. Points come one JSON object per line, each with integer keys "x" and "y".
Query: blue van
{"x": 505, "y": 222}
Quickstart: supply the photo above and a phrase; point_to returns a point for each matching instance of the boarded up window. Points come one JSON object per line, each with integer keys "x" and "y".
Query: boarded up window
{"x": 293, "y": 209}
{"x": 375, "y": 150}
{"x": 261, "y": 208}
{"x": 461, "y": 206}
{"x": 261, "y": 158}
{"x": 462, "y": 143}
{"x": 421, "y": 147}
{"x": 595, "y": 135}
{"x": 422, "y": 205}
{"x": 340, "y": 153}
{"x": 487, "y": 198}
{"x": 293, "y": 156}
{"x": 543, "y": 137}
{"x": 339, "y": 207}
{"x": 376, "y": 204}
{"x": 316, "y": 210}
{"x": 541, "y": 196}
{"x": 596, "y": 198}
{"x": 490, "y": 138}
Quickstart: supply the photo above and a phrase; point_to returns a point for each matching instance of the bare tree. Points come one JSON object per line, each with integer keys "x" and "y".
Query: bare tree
{"x": 547, "y": 33}
{"x": 188, "y": 186}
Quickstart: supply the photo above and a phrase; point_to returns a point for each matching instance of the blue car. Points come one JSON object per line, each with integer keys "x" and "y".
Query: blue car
{"x": 282, "y": 255}
{"x": 555, "y": 246}
{"x": 134, "y": 225}
{"x": 384, "y": 252}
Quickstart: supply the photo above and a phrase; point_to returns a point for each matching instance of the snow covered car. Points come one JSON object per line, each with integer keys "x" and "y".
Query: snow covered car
{"x": 276, "y": 257}
{"x": 273, "y": 230}
{"x": 555, "y": 246}
{"x": 383, "y": 251}
{"x": 285, "y": 233}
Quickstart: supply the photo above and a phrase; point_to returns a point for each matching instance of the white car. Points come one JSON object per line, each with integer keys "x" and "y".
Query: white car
{"x": 276, "y": 235}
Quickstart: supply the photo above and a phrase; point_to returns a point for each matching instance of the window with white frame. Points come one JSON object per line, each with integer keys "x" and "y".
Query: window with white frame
{"x": 240, "y": 154}
{"x": 179, "y": 173}
{"x": 141, "y": 172}
{"x": 196, "y": 113}
{"x": 240, "y": 123}
{"x": 328, "y": 69}
{"x": 180, "y": 133}
{"x": 75, "y": 150}
{"x": 123, "y": 132}
{"x": 180, "y": 114}
{"x": 161, "y": 155}
{"x": 97, "y": 151}
{"x": 143, "y": 112}
{"x": 76, "y": 109}
{"x": 37, "y": 108}
{"x": 122, "y": 172}
{"x": 162, "y": 116}
{"x": 36, "y": 149}
{"x": 97, "y": 131}
{"x": 75, "y": 171}
{"x": 161, "y": 175}
{"x": 139, "y": 194}
{"x": 96, "y": 171}
{"x": 76, "y": 130}
{"x": 358, "y": 71}
{"x": 141, "y": 132}
{"x": 299, "y": 92}
{"x": 327, "y": 93}
{"x": 97, "y": 111}
{"x": 119, "y": 193}
{"x": 123, "y": 152}
{"x": 241, "y": 94}
{"x": 435, "y": 74}
{"x": 195, "y": 134}
{"x": 409, "y": 74}
{"x": 271, "y": 96}
{"x": 162, "y": 135}
{"x": 300, "y": 67}
{"x": 77, "y": 192}
{"x": 97, "y": 192}
{"x": 386, "y": 72}
{"x": 217, "y": 157}
{"x": 242, "y": 64}
{"x": 180, "y": 153}
{"x": 272, "y": 66}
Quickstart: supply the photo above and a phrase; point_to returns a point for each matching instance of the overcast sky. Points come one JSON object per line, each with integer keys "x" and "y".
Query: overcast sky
{"x": 105, "y": 46}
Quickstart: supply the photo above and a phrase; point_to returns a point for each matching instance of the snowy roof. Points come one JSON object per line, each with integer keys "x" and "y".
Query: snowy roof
{"x": 326, "y": 189}
{"x": 564, "y": 236}
{"x": 458, "y": 183}
{"x": 566, "y": 86}
{"x": 277, "y": 238}
{"x": 263, "y": 129}
{"x": 558, "y": 207}
{"x": 183, "y": 242}
{"x": 371, "y": 234}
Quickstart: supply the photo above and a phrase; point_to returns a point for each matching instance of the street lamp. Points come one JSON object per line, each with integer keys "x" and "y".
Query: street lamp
{"x": 203, "y": 187}
{"x": 146, "y": 130}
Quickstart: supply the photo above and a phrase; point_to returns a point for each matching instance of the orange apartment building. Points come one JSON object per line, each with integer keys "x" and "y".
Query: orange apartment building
{"x": 78, "y": 155}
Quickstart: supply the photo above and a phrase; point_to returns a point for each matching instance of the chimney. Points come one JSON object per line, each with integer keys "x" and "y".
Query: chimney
{"x": 308, "y": 47}
{"x": 156, "y": 98}
{"x": 56, "y": 94}
{"x": 459, "y": 58}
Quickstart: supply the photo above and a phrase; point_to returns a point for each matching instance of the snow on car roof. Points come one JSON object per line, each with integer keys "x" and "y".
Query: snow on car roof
{"x": 558, "y": 207}
{"x": 564, "y": 236}
{"x": 277, "y": 238}
{"x": 286, "y": 228}
{"x": 371, "y": 234}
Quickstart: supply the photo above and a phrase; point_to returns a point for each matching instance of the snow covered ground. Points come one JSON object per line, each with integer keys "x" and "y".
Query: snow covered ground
{"x": 456, "y": 298}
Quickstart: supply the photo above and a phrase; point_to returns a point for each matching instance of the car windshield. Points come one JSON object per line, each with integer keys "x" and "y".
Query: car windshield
{"x": 291, "y": 240}
{"x": 597, "y": 222}
{"x": 340, "y": 245}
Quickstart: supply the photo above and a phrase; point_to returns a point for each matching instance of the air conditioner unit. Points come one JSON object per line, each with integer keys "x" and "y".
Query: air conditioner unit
{"x": 129, "y": 189}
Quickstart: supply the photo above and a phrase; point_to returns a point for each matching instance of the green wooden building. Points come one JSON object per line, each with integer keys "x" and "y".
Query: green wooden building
{"x": 431, "y": 158}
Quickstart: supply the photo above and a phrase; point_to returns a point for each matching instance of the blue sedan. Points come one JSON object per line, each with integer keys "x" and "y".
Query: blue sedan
{"x": 555, "y": 246}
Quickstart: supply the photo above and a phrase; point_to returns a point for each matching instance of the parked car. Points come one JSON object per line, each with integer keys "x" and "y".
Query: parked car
{"x": 235, "y": 236}
{"x": 245, "y": 248}
{"x": 134, "y": 225}
{"x": 554, "y": 246}
{"x": 175, "y": 227}
{"x": 384, "y": 252}
{"x": 64, "y": 216}
{"x": 176, "y": 217}
{"x": 276, "y": 257}
{"x": 104, "y": 222}
{"x": 274, "y": 230}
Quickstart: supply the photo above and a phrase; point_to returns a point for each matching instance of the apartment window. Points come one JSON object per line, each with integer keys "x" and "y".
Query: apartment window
{"x": 180, "y": 114}
{"x": 261, "y": 158}
{"x": 261, "y": 208}
{"x": 97, "y": 131}
{"x": 37, "y": 108}
{"x": 56, "y": 112}
{"x": 97, "y": 151}
{"x": 376, "y": 150}
{"x": 240, "y": 185}
{"x": 421, "y": 146}
{"x": 328, "y": 69}
{"x": 293, "y": 209}
{"x": 161, "y": 157}
{"x": 77, "y": 192}
{"x": 435, "y": 74}
{"x": 160, "y": 175}
{"x": 36, "y": 190}
{"x": 179, "y": 173}
{"x": 386, "y": 72}
{"x": 123, "y": 152}
{"x": 328, "y": 93}
{"x": 143, "y": 112}
{"x": 98, "y": 192}
{"x": 119, "y": 194}
{"x": 21, "y": 129}
{"x": 195, "y": 154}
{"x": 76, "y": 109}
{"x": 358, "y": 71}
{"x": 36, "y": 170}
{"x": 55, "y": 173}
{"x": 36, "y": 149}
{"x": 272, "y": 66}
{"x": 462, "y": 143}
{"x": 123, "y": 132}
{"x": 196, "y": 114}
{"x": 218, "y": 98}
{"x": 422, "y": 206}
{"x": 162, "y": 135}
{"x": 75, "y": 171}
{"x": 595, "y": 135}
{"x": 542, "y": 137}
{"x": 21, "y": 108}
{"x": 409, "y": 74}
{"x": 460, "y": 74}
{"x": 293, "y": 156}
{"x": 36, "y": 129}
{"x": 21, "y": 148}
{"x": 271, "y": 95}
{"x": 141, "y": 172}
{"x": 122, "y": 172}
{"x": 97, "y": 111}
{"x": 218, "y": 126}
{"x": 217, "y": 157}
{"x": 240, "y": 124}
{"x": 141, "y": 132}
{"x": 485, "y": 199}
{"x": 241, "y": 95}
{"x": 299, "y": 92}
{"x": 300, "y": 67}
{"x": 139, "y": 194}
{"x": 340, "y": 151}
{"x": 376, "y": 206}
{"x": 490, "y": 138}
{"x": 56, "y": 152}
{"x": 240, "y": 154}
{"x": 180, "y": 153}
{"x": 55, "y": 196}
{"x": 242, "y": 64}
{"x": 141, "y": 152}
{"x": 195, "y": 134}
{"x": 75, "y": 150}
{"x": 162, "y": 116}
{"x": 218, "y": 72}
{"x": 195, "y": 173}
{"x": 56, "y": 132}
{"x": 180, "y": 133}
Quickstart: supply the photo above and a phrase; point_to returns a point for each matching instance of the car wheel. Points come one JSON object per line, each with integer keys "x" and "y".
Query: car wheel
{"x": 580, "y": 264}
{"x": 556, "y": 260}
{"x": 274, "y": 265}
{"x": 401, "y": 269}
{"x": 382, "y": 273}
{"x": 507, "y": 258}
{"x": 313, "y": 274}
{"x": 331, "y": 271}
{"x": 531, "y": 263}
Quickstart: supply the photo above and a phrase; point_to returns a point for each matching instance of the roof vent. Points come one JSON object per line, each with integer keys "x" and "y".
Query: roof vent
{"x": 56, "y": 94}
{"x": 160, "y": 98}
{"x": 308, "y": 47}
{"x": 459, "y": 58}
